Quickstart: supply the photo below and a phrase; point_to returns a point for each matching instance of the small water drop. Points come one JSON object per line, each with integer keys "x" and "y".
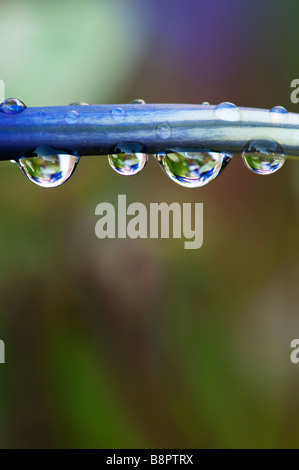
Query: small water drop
{"x": 48, "y": 167}
{"x": 71, "y": 116}
{"x": 128, "y": 158}
{"x": 79, "y": 103}
{"x": 263, "y": 156}
{"x": 206, "y": 103}
{"x": 278, "y": 112}
{"x": 192, "y": 169}
{"x": 163, "y": 130}
{"x": 227, "y": 112}
{"x": 138, "y": 101}
{"x": 12, "y": 106}
{"x": 279, "y": 109}
{"x": 117, "y": 113}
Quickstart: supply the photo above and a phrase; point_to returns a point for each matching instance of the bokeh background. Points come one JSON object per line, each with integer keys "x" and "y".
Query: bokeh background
{"x": 140, "y": 343}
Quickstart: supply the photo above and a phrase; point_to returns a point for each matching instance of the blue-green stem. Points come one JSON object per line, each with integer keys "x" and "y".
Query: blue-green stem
{"x": 97, "y": 129}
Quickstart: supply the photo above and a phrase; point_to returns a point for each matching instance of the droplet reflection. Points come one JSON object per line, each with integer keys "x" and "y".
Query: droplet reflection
{"x": 193, "y": 169}
{"x": 47, "y": 167}
{"x": 128, "y": 159}
{"x": 263, "y": 156}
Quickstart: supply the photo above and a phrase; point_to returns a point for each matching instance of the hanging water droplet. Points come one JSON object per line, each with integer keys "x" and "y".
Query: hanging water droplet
{"x": 163, "y": 130}
{"x": 12, "y": 106}
{"x": 117, "y": 113}
{"x": 263, "y": 156}
{"x": 79, "y": 103}
{"x": 227, "y": 112}
{"x": 48, "y": 167}
{"x": 128, "y": 158}
{"x": 138, "y": 101}
{"x": 206, "y": 103}
{"x": 192, "y": 169}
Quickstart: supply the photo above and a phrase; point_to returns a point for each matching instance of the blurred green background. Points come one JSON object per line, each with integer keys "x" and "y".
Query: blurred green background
{"x": 140, "y": 343}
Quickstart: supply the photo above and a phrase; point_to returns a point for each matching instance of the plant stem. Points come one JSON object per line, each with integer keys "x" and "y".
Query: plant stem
{"x": 97, "y": 129}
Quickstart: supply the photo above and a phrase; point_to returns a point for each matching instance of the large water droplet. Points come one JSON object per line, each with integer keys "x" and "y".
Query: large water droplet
{"x": 263, "y": 156}
{"x": 227, "y": 111}
{"x": 138, "y": 101}
{"x": 48, "y": 167}
{"x": 12, "y": 106}
{"x": 128, "y": 158}
{"x": 192, "y": 169}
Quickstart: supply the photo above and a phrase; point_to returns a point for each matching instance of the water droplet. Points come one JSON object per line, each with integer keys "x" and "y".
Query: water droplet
{"x": 227, "y": 112}
{"x": 12, "y": 106}
{"x": 263, "y": 156}
{"x": 163, "y": 130}
{"x": 128, "y": 158}
{"x": 138, "y": 101}
{"x": 117, "y": 113}
{"x": 13, "y": 161}
{"x": 279, "y": 109}
{"x": 192, "y": 169}
{"x": 79, "y": 103}
{"x": 278, "y": 112}
{"x": 206, "y": 103}
{"x": 71, "y": 116}
{"x": 48, "y": 167}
